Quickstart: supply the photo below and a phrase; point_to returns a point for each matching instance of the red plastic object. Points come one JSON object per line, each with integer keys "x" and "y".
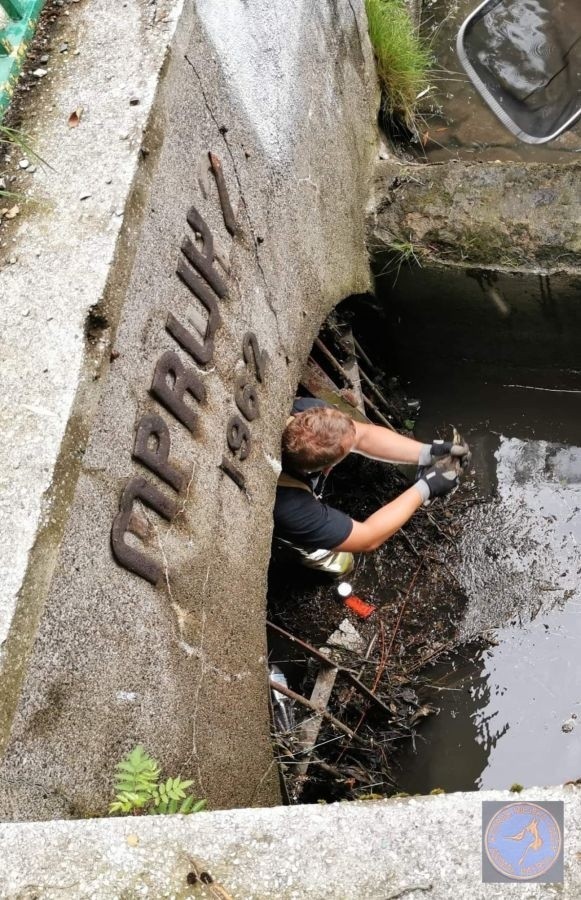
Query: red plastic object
{"x": 359, "y": 607}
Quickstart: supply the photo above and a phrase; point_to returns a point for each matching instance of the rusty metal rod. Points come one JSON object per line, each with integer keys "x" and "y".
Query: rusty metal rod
{"x": 344, "y": 374}
{"x": 334, "y": 362}
{"x": 319, "y": 710}
{"x": 377, "y": 393}
{"x": 361, "y": 352}
{"x": 376, "y": 412}
{"x": 227, "y": 211}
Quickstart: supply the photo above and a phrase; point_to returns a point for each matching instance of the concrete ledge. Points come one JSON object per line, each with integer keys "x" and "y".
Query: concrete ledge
{"x": 416, "y": 848}
{"x": 514, "y": 216}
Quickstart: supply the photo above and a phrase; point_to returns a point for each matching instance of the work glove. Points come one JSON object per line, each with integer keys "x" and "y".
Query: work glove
{"x": 431, "y": 453}
{"x": 437, "y": 481}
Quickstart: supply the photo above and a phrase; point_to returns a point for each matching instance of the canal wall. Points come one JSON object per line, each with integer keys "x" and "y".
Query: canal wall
{"x": 185, "y": 233}
{"x": 510, "y": 216}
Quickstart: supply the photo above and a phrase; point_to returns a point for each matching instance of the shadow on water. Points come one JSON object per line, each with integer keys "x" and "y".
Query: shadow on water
{"x": 504, "y": 374}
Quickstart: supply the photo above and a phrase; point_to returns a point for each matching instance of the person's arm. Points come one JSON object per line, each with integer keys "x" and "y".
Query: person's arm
{"x": 380, "y": 443}
{"x": 384, "y": 523}
{"x": 381, "y": 525}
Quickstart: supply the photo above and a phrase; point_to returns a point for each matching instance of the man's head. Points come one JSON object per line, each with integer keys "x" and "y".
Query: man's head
{"x": 316, "y": 439}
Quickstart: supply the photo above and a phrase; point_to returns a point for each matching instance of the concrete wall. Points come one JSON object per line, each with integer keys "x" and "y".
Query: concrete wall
{"x": 165, "y": 645}
{"x": 513, "y": 216}
{"x": 424, "y": 848}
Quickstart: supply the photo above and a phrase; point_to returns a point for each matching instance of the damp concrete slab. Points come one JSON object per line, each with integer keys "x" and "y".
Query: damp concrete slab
{"x": 421, "y": 848}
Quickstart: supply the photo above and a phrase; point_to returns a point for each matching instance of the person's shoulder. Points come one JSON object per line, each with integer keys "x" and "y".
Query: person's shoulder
{"x": 301, "y": 404}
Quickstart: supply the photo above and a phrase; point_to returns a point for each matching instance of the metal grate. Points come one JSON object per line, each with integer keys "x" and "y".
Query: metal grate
{"x": 18, "y": 19}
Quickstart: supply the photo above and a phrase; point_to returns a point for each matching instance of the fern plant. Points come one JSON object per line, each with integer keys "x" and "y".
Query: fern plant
{"x": 138, "y": 790}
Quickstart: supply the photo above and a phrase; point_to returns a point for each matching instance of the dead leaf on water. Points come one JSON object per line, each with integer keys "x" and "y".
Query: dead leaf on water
{"x": 75, "y": 117}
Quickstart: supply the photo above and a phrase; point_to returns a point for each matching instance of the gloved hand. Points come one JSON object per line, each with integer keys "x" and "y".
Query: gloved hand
{"x": 436, "y": 481}
{"x": 431, "y": 453}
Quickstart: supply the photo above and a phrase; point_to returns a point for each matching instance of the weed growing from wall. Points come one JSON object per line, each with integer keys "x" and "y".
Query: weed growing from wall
{"x": 139, "y": 791}
{"x": 403, "y": 63}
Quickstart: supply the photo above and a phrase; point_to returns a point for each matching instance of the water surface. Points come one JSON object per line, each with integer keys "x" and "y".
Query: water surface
{"x": 522, "y": 44}
{"x": 507, "y": 375}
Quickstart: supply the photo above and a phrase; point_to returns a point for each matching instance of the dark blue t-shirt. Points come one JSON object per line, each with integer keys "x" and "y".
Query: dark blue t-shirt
{"x": 301, "y": 517}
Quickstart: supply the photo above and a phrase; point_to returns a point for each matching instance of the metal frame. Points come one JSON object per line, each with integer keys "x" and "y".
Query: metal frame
{"x": 14, "y": 39}
{"x": 495, "y": 106}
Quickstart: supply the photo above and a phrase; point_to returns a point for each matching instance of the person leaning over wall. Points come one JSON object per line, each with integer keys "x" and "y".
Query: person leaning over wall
{"x": 316, "y": 438}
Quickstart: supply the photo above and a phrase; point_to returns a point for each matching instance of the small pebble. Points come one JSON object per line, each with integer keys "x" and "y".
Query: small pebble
{"x": 63, "y": 48}
{"x": 134, "y": 101}
{"x": 44, "y": 58}
{"x": 85, "y": 196}
{"x": 40, "y": 73}
{"x": 24, "y": 163}
{"x": 31, "y": 170}
{"x": 12, "y": 260}
{"x": 76, "y": 52}
{"x": 108, "y": 181}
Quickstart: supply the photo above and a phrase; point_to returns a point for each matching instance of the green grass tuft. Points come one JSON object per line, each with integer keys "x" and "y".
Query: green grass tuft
{"x": 403, "y": 63}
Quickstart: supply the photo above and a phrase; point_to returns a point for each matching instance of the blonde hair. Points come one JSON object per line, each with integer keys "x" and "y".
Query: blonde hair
{"x": 315, "y": 439}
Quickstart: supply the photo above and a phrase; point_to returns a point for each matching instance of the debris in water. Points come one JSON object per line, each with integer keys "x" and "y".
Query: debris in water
{"x": 283, "y": 712}
{"x": 347, "y": 637}
{"x": 499, "y": 302}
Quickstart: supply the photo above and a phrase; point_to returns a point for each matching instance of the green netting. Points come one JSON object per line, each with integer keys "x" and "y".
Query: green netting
{"x": 18, "y": 20}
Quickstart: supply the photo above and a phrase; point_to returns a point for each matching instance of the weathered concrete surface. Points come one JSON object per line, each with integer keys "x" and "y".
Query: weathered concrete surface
{"x": 428, "y": 847}
{"x": 493, "y": 215}
{"x": 94, "y": 658}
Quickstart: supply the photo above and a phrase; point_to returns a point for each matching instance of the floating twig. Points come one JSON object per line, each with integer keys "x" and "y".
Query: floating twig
{"x": 319, "y": 710}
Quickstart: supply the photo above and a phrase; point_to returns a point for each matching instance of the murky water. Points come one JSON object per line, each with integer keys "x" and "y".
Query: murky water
{"x": 526, "y": 53}
{"x": 503, "y": 705}
{"x": 522, "y": 43}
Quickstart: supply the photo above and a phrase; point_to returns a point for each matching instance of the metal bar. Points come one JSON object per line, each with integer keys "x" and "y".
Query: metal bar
{"x": 361, "y": 352}
{"x": 377, "y": 412}
{"x": 318, "y": 383}
{"x": 377, "y": 393}
{"x": 334, "y": 362}
{"x": 352, "y": 365}
{"x": 316, "y": 654}
{"x": 276, "y": 686}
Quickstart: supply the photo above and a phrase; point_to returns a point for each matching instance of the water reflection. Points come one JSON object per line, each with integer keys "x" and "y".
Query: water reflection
{"x": 526, "y": 52}
{"x": 502, "y": 707}
{"x": 458, "y": 121}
